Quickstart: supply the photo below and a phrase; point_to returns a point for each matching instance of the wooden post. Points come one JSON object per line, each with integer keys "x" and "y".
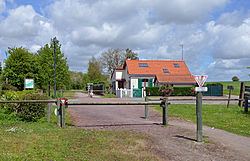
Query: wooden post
{"x": 228, "y": 102}
{"x": 246, "y": 105}
{"x": 165, "y": 111}
{"x": 146, "y": 108}
{"x": 49, "y": 111}
{"x": 59, "y": 113}
{"x": 61, "y": 93}
{"x": 242, "y": 91}
{"x": 199, "y": 116}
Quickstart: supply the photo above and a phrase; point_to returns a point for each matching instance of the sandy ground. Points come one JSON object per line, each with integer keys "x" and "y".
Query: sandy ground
{"x": 174, "y": 142}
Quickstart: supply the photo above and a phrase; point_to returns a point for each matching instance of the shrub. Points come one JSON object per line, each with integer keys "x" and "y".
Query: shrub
{"x": 31, "y": 111}
{"x": 178, "y": 91}
{"x": 166, "y": 90}
{"x": 25, "y": 111}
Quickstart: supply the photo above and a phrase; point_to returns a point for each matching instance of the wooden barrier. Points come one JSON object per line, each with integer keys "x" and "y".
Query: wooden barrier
{"x": 244, "y": 97}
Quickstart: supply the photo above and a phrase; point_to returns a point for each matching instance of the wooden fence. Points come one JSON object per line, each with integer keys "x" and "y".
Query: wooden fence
{"x": 244, "y": 97}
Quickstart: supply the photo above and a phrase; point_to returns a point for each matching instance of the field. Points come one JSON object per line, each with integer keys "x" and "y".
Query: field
{"x": 236, "y": 86}
{"x": 230, "y": 119}
{"x": 45, "y": 141}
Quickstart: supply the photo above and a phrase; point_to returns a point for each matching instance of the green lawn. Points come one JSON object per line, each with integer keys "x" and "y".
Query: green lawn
{"x": 45, "y": 141}
{"x": 230, "y": 119}
{"x": 236, "y": 85}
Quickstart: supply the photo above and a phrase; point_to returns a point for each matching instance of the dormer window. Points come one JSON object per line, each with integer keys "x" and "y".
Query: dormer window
{"x": 165, "y": 71}
{"x": 143, "y": 65}
{"x": 176, "y": 65}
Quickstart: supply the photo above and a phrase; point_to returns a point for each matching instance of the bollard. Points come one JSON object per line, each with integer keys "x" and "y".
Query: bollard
{"x": 63, "y": 116}
{"x": 146, "y": 108}
{"x": 164, "y": 105}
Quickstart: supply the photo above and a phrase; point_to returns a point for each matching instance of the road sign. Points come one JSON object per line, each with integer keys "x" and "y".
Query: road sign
{"x": 200, "y": 89}
{"x": 28, "y": 83}
{"x": 200, "y": 79}
{"x": 63, "y": 100}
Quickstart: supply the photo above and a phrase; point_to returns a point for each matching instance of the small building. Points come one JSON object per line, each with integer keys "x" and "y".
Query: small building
{"x": 137, "y": 74}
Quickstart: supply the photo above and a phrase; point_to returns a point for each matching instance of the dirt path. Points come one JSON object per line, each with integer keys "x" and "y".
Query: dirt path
{"x": 174, "y": 142}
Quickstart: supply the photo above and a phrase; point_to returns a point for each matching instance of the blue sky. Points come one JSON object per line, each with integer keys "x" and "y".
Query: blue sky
{"x": 215, "y": 34}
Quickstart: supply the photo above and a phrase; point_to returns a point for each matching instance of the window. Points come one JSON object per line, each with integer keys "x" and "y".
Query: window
{"x": 145, "y": 83}
{"x": 176, "y": 65}
{"x": 143, "y": 65}
{"x": 165, "y": 71}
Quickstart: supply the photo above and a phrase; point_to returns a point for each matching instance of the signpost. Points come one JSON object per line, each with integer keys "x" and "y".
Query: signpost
{"x": 200, "y": 79}
{"x": 61, "y": 112}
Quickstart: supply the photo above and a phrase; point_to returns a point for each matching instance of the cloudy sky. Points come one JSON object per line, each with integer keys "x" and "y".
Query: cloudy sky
{"x": 215, "y": 33}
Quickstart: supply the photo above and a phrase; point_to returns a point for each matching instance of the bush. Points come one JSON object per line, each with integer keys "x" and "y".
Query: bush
{"x": 31, "y": 111}
{"x": 178, "y": 91}
{"x": 25, "y": 111}
{"x": 166, "y": 90}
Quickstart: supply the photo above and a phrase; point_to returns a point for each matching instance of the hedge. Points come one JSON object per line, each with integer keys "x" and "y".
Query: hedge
{"x": 178, "y": 91}
{"x": 25, "y": 111}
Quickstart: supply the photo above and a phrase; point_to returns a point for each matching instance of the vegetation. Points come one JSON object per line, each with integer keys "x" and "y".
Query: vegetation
{"x": 177, "y": 91}
{"x": 231, "y": 119}
{"x": 116, "y": 57}
{"x": 235, "y": 79}
{"x": 236, "y": 85}
{"x": 19, "y": 65}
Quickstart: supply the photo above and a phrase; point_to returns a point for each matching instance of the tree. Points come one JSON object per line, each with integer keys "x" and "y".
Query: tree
{"x": 235, "y": 78}
{"x": 116, "y": 57}
{"x": 46, "y": 67}
{"x": 94, "y": 71}
{"x": 19, "y": 65}
{"x": 77, "y": 80}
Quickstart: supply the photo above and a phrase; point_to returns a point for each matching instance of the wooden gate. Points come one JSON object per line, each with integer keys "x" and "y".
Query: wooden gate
{"x": 244, "y": 96}
{"x": 137, "y": 92}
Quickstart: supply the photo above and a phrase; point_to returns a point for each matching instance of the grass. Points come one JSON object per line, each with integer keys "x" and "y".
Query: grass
{"x": 108, "y": 96}
{"x": 236, "y": 86}
{"x": 45, "y": 141}
{"x": 230, "y": 119}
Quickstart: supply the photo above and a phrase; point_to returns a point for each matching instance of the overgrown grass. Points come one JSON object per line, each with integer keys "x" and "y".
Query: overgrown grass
{"x": 236, "y": 85}
{"x": 231, "y": 119}
{"x": 45, "y": 141}
{"x": 108, "y": 96}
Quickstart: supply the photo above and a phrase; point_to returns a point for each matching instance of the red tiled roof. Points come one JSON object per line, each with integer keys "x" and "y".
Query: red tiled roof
{"x": 175, "y": 78}
{"x": 155, "y": 67}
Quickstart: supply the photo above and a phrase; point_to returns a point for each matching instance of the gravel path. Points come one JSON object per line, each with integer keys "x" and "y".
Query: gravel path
{"x": 174, "y": 142}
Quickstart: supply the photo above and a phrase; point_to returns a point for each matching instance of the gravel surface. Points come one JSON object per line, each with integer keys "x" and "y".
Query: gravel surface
{"x": 174, "y": 142}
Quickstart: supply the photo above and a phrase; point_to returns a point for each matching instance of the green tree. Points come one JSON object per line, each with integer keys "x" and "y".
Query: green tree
{"x": 19, "y": 65}
{"x": 235, "y": 79}
{"x": 94, "y": 71}
{"x": 46, "y": 67}
{"x": 116, "y": 57}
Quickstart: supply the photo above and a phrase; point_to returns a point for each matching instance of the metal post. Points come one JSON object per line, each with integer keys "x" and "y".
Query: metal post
{"x": 146, "y": 108}
{"x": 58, "y": 112}
{"x": 55, "y": 66}
{"x": 63, "y": 116}
{"x": 199, "y": 116}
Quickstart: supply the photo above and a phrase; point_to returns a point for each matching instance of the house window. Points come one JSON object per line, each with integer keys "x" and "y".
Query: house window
{"x": 142, "y": 65}
{"x": 165, "y": 71}
{"x": 145, "y": 83}
{"x": 120, "y": 84}
{"x": 176, "y": 65}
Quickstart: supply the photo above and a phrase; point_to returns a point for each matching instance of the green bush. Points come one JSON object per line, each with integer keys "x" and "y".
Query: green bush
{"x": 31, "y": 111}
{"x": 25, "y": 111}
{"x": 178, "y": 91}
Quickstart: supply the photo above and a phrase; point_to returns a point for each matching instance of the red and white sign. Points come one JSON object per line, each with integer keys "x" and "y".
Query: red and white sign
{"x": 200, "y": 79}
{"x": 63, "y": 100}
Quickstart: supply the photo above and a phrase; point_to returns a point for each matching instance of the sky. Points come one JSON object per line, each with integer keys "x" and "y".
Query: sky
{"x": 215, "y": 34}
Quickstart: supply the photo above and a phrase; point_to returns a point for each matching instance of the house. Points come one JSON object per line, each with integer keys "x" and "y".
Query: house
{"x": 136, "y": 74}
